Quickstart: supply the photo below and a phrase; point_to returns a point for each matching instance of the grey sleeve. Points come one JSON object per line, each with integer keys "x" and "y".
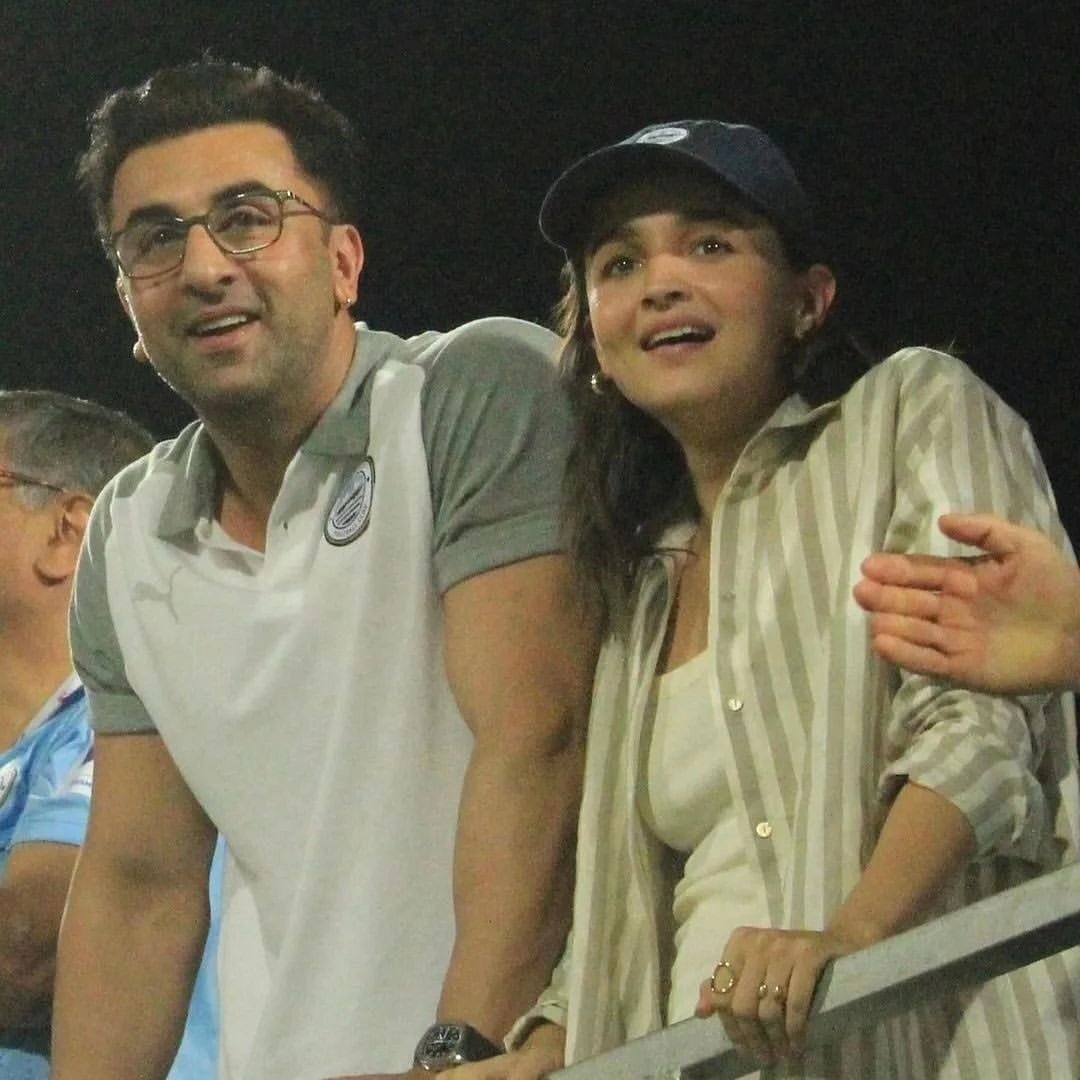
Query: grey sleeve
{"x": 115, "y": 709}
{"x": 496, "y": 429}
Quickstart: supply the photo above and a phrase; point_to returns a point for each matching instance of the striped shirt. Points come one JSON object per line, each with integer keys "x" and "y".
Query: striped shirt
{"x": 817, "y": 736}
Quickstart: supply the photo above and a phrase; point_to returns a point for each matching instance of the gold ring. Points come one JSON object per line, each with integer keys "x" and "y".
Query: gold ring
{"x": 779, "y": 994}
{"x": 731, "y": 978}
{"x": 763, "y": 991}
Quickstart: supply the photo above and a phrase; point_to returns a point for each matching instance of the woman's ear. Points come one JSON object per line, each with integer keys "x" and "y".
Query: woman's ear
{"x": 816, "y": 295}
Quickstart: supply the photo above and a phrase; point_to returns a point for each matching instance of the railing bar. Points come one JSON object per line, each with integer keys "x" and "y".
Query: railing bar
{"x": 964, "y": 948}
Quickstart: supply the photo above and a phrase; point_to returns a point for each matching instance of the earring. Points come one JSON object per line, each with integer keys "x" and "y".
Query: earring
{"x": 138, "y": 351}
{"x": 598, "y": 383}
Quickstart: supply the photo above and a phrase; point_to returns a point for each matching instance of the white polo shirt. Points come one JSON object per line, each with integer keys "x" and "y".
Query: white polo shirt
{"x": 301, "y": 691}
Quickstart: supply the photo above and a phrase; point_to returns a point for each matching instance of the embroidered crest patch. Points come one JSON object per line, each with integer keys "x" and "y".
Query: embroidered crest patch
{"x": 351, "y": 510}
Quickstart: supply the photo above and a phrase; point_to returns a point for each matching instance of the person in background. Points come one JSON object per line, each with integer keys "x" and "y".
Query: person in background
{"x": 56, "y": 454}
{"x": 762, "y": 793}
{"x": 331, "y": 620}
{"x": 1007, "y": 621}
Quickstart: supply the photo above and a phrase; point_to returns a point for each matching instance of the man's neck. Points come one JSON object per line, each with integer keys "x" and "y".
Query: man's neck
{"x": 255, "y": 449}
{"x": 32, "y": 666}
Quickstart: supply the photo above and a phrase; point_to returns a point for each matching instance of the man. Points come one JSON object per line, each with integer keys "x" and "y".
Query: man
{"x": 1007, "y": 622}
{"x": 330, "y": 619}
{"x": 56, "y": 453}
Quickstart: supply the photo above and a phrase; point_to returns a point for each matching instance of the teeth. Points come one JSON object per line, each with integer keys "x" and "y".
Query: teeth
{"x": 224, "y": 323}
{"x": 678, "y": 333}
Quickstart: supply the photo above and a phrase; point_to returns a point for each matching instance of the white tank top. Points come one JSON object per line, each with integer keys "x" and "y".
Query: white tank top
{"x": 686, "y": 803}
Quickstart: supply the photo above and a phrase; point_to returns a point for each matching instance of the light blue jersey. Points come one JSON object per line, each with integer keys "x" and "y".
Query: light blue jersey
{"x": 45, "y": 782}
{"x": 197, "y": 1057}
{"x": 44, "y": 798}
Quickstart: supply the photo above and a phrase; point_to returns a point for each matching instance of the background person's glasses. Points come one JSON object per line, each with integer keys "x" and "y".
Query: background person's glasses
{"x": 238, "y": 224}
{"x": 18, "y": 479}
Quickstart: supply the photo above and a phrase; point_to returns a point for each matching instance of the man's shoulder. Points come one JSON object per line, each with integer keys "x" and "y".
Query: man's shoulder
{"x": 168, "y": 455}
{"x": 494, "y": 341}
{"x": 146, "y": 485}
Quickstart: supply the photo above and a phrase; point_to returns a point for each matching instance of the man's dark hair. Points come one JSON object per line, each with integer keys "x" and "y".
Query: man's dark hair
{"x": 75, "y": 444}
{"x": 204, "y": 93}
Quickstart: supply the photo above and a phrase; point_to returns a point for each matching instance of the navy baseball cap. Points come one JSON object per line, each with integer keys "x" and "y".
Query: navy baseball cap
{"x": 740, "y": 155}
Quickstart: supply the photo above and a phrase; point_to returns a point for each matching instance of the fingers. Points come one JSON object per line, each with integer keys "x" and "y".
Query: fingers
{"x": 920, "y": 659}
{"x": 917, "y": 630}
{"x": 751, "y": 1006}
{"x": 993, "y": 534}
{"x": 898, "y": 600}
{"x": 908, "y": 571}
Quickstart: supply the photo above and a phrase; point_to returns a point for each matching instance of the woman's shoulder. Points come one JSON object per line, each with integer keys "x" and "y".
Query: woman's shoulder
{"x": 920, "y": 363}
{"x": 919, "y": 374}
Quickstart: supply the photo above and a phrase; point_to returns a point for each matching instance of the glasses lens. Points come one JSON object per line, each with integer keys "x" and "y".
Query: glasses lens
{"x": 150, "y": 247}
{"x": 245, "y": 222}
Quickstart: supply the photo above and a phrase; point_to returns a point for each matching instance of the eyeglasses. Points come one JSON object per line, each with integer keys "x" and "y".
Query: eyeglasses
{"x": 238, "y": 224}
{"x": 18, "y": 479}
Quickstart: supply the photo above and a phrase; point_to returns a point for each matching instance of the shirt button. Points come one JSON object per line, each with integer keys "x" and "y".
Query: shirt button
{"x": 763, "y": 829}
{"x": 734, "y": 704}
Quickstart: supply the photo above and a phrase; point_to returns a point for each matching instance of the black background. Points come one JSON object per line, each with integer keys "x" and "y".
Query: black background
{"x": 938, "y": 138}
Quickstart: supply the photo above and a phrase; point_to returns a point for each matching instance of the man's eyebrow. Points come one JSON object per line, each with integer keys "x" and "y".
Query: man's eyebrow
{"x": 166, "y": 212}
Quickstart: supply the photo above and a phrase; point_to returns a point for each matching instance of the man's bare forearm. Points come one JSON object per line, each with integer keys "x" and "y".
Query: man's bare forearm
{"x": 127, "y": 960}
{"x": 512, "y": 882}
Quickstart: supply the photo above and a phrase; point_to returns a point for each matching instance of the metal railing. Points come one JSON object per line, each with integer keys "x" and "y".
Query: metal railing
{"x": 961, "y": 949}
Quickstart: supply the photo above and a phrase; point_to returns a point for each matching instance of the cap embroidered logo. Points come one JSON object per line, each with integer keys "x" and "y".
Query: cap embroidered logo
{"x": 663, "y": 136}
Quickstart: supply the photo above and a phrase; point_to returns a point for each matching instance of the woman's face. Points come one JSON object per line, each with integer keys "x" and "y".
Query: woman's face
{"x": 692, "y": 304}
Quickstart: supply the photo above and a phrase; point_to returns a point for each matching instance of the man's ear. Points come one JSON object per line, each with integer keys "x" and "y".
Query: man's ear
{"x": 56, "y": 560}
{"x": 125, "y": 302}
{"x": 348, "y": 256}
{"x": 138, "y": 350}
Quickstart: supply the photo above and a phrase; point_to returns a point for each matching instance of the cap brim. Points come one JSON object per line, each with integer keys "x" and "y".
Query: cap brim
{"x": 563, "y": 213}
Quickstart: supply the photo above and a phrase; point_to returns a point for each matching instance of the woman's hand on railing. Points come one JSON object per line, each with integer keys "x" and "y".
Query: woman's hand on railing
{"x": 762, "y": 988}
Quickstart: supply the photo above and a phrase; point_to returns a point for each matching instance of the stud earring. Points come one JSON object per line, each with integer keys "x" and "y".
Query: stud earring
{"x": 598, "y": 383}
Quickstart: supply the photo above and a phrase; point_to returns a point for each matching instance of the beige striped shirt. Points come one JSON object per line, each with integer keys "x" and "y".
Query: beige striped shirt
{"x": 817, "y": 736}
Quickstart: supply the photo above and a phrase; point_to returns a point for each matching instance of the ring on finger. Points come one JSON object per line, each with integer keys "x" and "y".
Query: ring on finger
{"x": 763, "y": 991}
{"x": 729, "y": 974}
{"x": 778, "y": 994}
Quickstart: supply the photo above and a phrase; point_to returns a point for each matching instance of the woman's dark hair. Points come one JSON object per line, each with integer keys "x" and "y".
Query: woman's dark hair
{"x": 178, "y": 100}
{"x": 626, "y": 479}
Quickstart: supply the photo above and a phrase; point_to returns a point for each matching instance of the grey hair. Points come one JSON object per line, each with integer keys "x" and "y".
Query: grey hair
{"x": 74, "y": 444}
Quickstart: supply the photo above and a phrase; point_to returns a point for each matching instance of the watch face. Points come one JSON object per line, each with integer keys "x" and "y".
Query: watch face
{"x": 443, "y": 1040}
{"x": 443, "y": 1045}
{"x": 452, "y": 1043}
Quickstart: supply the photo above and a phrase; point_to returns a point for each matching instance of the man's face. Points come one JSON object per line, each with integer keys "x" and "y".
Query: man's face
{"x": 20, "y": 535}
{"x": 237, "y": 331}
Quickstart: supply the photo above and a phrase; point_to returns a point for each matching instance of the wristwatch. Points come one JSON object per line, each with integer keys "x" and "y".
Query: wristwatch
{"x": 449, "y": 1043}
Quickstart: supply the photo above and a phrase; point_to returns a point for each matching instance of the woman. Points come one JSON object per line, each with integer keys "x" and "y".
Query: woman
{"x": 762, "y": 794}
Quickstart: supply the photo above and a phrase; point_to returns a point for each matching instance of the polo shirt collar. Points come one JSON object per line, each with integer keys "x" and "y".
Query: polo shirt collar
{"x": 342, "y": 431}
